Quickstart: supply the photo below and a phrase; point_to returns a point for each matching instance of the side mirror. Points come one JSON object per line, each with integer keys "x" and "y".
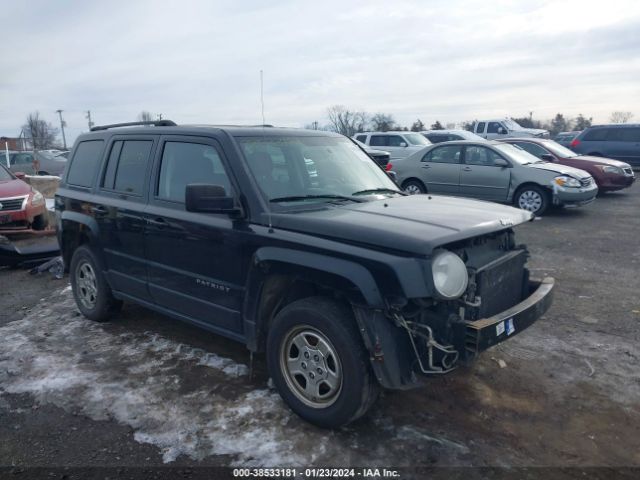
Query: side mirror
{"x": 207, "y": 198}
{"x": 20, "y": 175}
{"x": 403, "y": 144}
{"x": 501, "y": 162}
{"x": 502, "y": 131}
{"x": 547, "y": 157}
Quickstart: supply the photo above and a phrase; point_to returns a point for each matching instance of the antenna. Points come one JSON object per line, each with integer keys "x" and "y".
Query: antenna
{"x": 263, "y": 124}
{"x": 262, "y": 95}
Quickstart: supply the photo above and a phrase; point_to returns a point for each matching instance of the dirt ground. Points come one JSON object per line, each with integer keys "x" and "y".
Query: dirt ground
{"x": 145, "y": 390}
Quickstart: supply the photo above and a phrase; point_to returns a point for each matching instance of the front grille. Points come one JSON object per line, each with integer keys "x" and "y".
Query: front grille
{"x": 586, "y": 182}
{"x": 11, "y": 204}
{"x": 501, "y": 283}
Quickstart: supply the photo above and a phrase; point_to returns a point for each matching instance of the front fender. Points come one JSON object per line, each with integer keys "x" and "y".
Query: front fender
{"x": 311, "y": 266}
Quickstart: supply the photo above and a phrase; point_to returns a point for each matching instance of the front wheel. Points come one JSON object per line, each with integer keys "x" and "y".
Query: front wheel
{"x": 532, "y": 198}
{"x": 319, "y": 364}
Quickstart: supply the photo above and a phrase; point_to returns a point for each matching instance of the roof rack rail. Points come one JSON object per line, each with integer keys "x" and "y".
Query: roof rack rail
{"x": 155, "y": 123}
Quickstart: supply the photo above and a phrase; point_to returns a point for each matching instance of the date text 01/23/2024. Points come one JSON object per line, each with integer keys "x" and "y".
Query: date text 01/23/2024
{"x": 316, "y": 472}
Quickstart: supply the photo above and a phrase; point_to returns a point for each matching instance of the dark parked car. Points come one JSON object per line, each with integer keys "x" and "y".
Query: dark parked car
{"x": 347, "y": 284}
{"x": 21, "y": 206}
{"x": 610, "y": 175}
{"x": 619, "y": 141}
{"x": 565, "y": 138}
{"x": 380, "y": 156}
{"x": 439, "y": 136}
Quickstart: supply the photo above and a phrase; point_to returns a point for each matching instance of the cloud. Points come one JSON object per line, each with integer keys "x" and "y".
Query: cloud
{"x": 199, "y": 61}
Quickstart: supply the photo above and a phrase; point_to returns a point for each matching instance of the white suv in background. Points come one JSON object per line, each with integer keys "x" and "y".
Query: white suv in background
{"x": 505, "y": 128}
{"x": 399, "y": 144}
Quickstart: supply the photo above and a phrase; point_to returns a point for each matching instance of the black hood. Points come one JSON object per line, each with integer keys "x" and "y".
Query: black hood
{"x": 414, "y": 224}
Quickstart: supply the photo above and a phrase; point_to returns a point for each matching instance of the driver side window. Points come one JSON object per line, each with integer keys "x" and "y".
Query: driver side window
{"x": 494, "y": 127}
{"x": 481, "y": 156}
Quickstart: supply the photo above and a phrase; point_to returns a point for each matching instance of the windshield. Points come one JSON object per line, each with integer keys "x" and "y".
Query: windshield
{"x": 4, "y": 174}
{"x": 310, "y": 168}
{"x": 559, "y": 150}
{"x": 517, "y": 154}
{"x": 511, "y": 125}
{"x": 416, "y": 139}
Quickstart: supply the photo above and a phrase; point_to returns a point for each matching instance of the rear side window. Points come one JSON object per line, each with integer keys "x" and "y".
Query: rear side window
{"x": 85, "y": 163}
{"x": 448, "y": 154}
{"x": 595, "y": 135}
{"x": 184, "y": 163}
{"x": 480, "y": 127}
{"x": 627, "y": 134}
{"x": 378, "y": 141}
{"x": 127, "y": 166}
{"x": 361, "y": 138}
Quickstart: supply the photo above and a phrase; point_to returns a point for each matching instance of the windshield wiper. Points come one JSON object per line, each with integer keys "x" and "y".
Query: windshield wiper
{"x": 295, "y": 198}
{"x": 378, "y": 190}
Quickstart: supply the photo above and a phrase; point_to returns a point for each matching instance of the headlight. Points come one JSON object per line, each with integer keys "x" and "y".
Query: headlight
{"x": 566, "y": 181}
{"x": 37, "y": 198}
{"x": 611, "y": 169}
{"x": 449, "y": 274}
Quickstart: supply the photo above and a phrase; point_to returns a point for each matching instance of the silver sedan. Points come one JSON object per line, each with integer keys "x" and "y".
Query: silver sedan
{"x": 494, "y": 171}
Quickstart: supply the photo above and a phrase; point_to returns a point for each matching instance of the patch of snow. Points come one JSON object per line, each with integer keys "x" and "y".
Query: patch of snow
{"x": 140, "y": 380}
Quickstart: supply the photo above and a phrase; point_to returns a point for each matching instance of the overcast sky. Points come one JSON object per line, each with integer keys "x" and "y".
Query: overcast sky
{"x": 199, "y": 61}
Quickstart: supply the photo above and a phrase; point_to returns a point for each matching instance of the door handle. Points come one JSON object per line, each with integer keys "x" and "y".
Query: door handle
{"x": 158, "y": 222}
{"x": 426, "y": 165}
{"x": 102, "y": 210}
{"x": 467, "y": 169}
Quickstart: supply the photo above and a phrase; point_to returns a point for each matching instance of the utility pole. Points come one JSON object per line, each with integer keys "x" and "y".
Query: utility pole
{"x": 159, "y": 116}
{"x": 88, "y": 117}
{"x": 64, "y": 140}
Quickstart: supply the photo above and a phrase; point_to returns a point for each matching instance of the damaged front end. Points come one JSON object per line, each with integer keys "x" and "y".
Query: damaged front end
{"x": 435, "y": 335}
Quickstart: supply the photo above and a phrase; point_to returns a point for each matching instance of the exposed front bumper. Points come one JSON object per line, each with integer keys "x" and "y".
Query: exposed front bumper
{"x": 484, "y": 333}
{"x": 575, "y": 197}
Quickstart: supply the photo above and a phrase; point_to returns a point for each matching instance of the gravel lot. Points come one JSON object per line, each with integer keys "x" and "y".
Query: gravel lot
{"x": 147, "y": 390}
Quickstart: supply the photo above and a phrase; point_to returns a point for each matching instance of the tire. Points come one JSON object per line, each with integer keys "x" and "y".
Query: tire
{"x": 414, "y": 187}
{"x": 317, "y": 338}
{"x": 532, "y": 198}
{"x": 40, "y": 222}
{"x": 90, "y": 289}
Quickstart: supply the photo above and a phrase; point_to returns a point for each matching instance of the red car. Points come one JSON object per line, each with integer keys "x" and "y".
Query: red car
{"x": 21, "y": 207}
{"x": 609, "y": 174}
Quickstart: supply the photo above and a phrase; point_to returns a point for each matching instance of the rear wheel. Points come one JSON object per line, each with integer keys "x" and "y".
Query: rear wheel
{"x": 414, "y": 187}
{"x": 532, "y": 198}
{"x": 319, "y": 364}
{"x": 90, "y": 289}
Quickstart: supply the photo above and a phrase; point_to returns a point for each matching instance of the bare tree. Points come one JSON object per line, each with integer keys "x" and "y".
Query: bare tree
{"x": 145, "y": 116}
{"x": 417, "y": 126}
{"x": 581, "y": 122}
{"x": 437, "y": 126}
{"x": 39, "y": 132}
{"x": 383, "y": 122}
{"x": 620, "y": 117}
{"x": 345, "y": 121}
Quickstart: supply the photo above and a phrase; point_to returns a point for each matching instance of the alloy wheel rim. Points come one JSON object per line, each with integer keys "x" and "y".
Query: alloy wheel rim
{"x": 311, "y": 367}
{"x": 86, "y": 285}
{"x": 530, "y": 200}
{"x": 412, "y": 189}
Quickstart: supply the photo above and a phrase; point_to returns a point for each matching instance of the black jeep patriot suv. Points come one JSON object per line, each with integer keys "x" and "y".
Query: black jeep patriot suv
{"x": 297, "y": 244}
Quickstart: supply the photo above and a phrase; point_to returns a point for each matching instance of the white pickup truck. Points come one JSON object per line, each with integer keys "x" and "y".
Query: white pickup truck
{"x": 505, "y": 128}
